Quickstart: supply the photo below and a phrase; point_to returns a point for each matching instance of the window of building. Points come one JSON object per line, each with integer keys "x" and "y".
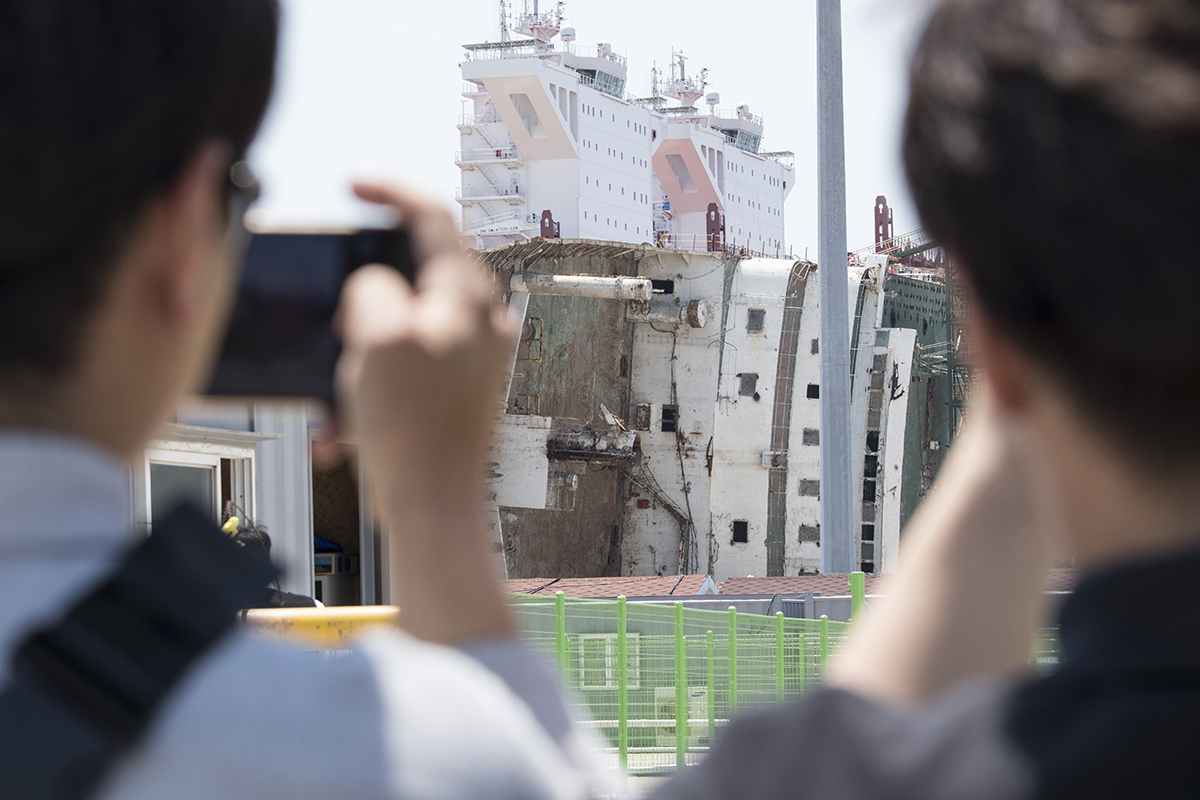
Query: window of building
{"x": 810, "y": 488}
{"x": 741, "y": 531}
{"x": 172, "y": 484}
{"x": 870, "y": 466}
{"x": 598, "y": 663}
{"x": 810, "y": 534}
{"x": 670, "y": 419}
{"x": 642, "y": 420}
{"x": 869, "y": 491}
{"x": 207, "y": 467}
{"x": 811, "y": 437}
{"x": 749, "y": 384}
{"x": 663, "y": 287}
{"x": 756, "y": 320}
{"x": 814, "y": 391}
{"x": 868, "y": 533}
{"x": 873, "y": 441}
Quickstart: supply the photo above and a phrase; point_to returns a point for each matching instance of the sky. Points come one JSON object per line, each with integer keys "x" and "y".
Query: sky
{"x": 372, "y": 88}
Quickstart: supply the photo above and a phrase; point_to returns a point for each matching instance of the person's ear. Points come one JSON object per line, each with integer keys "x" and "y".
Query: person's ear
{"x": 188, "y": 222}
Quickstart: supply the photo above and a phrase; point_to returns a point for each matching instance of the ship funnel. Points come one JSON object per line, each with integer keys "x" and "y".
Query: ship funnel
{"x": 567, "y": 35}
{"x": 712, "y": 98}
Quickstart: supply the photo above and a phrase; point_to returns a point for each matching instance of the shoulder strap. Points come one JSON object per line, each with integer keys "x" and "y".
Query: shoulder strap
{"x": 83, "y": 690}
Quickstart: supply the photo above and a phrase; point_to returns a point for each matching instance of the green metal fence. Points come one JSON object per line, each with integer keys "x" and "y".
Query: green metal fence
{"x": 658, "y": 682}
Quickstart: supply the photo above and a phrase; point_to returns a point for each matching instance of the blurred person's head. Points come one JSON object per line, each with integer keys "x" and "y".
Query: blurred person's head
{"x": 119, "y": 121}
{"x": 255, "y": 537}
{"x": 1053, "y": 147}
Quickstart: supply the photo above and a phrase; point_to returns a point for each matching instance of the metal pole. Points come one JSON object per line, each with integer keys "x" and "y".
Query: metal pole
{"x": 712, "y": 698}
{"x": 858, "y": 593}
{"x": 837, "y": 509}
{"x": 824, "y": 645}
{"x": 779, "y": 656}
{"x": 681, "y": 690}
{"x": 802, "y": 673}
{"x": 622, "y": 686}
{"x": 560, "y": 634}
{"x": 732, "y": 661}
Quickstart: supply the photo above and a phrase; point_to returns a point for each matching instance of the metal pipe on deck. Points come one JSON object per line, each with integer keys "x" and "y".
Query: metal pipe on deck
{"x": 693, "y": 314}
{"x": 601, "y": 287}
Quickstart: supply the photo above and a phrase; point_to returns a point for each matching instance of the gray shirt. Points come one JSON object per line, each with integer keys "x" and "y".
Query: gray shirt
{"x": 394, "y": 718}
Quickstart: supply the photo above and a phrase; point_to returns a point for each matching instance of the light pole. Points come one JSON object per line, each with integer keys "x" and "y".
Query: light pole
{"x": 837, "y": 491}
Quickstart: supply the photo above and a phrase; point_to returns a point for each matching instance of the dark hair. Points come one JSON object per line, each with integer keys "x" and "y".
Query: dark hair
{"x": 1053, "y": 147}
{"x": 254, "y": 536}
{"x": 101, "y": 104}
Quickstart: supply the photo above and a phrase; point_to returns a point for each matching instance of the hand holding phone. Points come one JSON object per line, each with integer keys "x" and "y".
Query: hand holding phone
{"x": 419, "y": 385}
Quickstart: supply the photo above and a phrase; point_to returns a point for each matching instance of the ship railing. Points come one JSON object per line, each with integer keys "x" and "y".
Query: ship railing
{"x": 487, "y": 154}
{"x": 613, "y": 57}
{"x": 714, "y": 243}
{"x": 473, "y": 88}
{"x": 487, "y": 117}
{"x": 785, "y": 158}
{"x": 733, "y": 116}
{"x": 501, "y": 50}
{"x": 469, "y": 192}
{"x": 511, "y": 216}
{"x": 581, "y": 52}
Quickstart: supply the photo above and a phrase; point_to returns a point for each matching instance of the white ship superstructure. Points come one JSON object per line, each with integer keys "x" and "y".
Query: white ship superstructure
{"x": 553, "y": 145}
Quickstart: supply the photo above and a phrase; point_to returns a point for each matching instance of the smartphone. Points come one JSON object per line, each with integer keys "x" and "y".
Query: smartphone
{"x": 280, "y": 341}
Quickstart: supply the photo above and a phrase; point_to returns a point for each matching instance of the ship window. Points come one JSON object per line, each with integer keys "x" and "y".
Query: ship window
{"x": 663, "y": 287}
{"x": 814, "y": 391}
{"x": 741, "y": 531}
{"x": 670, "y": 419}
{"x": 755, "y": 320}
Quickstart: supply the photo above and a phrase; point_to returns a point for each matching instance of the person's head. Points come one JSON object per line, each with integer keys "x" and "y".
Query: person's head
{"x": 119, "y": 121}
{"x": 1053, "y": 147}
{"x": 255, "y": 537}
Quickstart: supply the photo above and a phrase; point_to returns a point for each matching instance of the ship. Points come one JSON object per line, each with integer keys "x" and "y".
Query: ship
{"x": 663, "y": 407}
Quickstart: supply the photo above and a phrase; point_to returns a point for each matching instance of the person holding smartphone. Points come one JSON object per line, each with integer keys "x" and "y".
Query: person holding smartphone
{"x": 119, "y": 123}
{"x": 1053, "y": 148}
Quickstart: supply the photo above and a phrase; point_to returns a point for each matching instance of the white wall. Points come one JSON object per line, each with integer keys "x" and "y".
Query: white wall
{"x": 284, "y": 478}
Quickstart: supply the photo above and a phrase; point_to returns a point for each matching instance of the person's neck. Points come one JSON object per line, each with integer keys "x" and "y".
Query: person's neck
{"x": 72, "y": 409}
{"x": 1110, "y": 510}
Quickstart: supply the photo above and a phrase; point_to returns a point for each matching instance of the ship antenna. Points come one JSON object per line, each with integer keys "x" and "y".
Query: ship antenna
{"x": 504, "y": 20}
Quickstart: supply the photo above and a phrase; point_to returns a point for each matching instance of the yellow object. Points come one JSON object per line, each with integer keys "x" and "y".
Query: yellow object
{"x": 231, "y": 526}
{"x": 320, "y": 628}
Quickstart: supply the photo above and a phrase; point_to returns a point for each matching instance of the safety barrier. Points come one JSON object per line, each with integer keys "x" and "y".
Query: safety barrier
{"x": 654, "y": 682}
{"x": 657, "y": 682}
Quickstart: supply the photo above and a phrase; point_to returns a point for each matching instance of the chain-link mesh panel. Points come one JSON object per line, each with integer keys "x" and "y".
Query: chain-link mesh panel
{"x": 686, "y": 673}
